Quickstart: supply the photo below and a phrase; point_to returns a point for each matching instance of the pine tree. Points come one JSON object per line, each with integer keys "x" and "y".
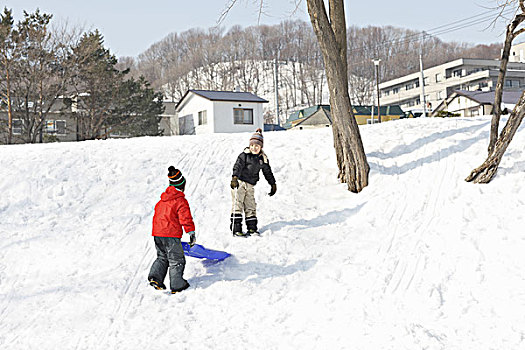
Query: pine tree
{"x": 104, "y": 102}
{"x": 96, "y": 84}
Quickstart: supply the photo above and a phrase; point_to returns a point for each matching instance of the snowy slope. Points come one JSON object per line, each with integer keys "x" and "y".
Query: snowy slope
{"x": 419, "y": 260}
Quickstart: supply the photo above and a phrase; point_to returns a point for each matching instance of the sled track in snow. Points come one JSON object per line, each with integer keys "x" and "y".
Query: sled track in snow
{"x": 131, "y": 295}
{"x": 401, "y": 258}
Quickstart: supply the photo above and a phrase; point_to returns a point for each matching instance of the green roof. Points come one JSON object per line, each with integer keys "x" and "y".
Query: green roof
{"x": 359, "y": 110}
{"x": 385, "y": 110}
{"x": 306, "y": 112}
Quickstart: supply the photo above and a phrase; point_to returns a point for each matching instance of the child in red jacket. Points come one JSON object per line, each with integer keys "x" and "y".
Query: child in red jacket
{"x": 172, "y": 213}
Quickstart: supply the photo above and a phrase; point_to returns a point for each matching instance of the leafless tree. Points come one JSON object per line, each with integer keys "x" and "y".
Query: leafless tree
{"x": 498, "y": 145}
{"x": 512, "y": 32}
{"x": 8, "y": 53}
{"x": 43, "y": 74}
{"x": 331, "y": 35}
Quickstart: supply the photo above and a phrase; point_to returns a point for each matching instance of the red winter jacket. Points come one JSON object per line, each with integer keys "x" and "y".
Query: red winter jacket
{"x": 172, "y": 212}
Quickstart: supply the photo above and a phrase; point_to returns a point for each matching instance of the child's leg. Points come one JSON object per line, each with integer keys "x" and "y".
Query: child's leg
{"x": 177, "y": 264}
{"x": 238, "y": 196}
{"x": 160, "y": 265}
{"x": 250, "y": 209}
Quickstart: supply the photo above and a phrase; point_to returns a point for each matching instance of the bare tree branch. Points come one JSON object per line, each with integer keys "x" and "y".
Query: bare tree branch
{"x": 225, "y": 12}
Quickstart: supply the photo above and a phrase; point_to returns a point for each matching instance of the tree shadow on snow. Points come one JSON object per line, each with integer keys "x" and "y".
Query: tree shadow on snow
{"x": 333, "y": 217}
{"x": 440, "y": 153}
{"x": 419, "y": 143}
{"x": 516, "y": 168}
{"x": 254, "y": 272}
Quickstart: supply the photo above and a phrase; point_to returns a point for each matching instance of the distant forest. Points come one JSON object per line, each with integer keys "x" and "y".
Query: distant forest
{"x": 222, "y": 60}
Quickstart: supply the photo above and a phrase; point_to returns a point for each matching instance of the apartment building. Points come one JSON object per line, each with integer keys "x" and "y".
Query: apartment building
{"x": 441, "y": 81}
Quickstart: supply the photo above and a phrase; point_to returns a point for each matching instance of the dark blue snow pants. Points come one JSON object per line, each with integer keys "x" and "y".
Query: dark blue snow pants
{"x": 169, "y": 254}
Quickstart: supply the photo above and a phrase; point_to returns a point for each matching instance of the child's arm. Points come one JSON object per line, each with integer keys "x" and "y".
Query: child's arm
{"x": 239, "y": 165}
{"x": 267, "y": 172}
{"x": 185, "y": 218}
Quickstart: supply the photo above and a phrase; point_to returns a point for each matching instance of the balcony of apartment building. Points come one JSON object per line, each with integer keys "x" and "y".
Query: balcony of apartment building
{"x": 401, "y": 92}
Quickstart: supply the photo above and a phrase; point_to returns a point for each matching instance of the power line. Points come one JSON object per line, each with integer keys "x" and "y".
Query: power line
{"x": 443, "y": 29}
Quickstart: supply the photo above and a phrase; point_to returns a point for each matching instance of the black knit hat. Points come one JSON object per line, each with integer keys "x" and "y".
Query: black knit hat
{"x": 176, "y": 178}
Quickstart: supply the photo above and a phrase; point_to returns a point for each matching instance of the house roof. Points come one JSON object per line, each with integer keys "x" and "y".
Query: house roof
{"x": 235, "y": 96}
{"x": 306, "y": 112}
{"x": 232, "y": 96}
{"x": 487, "y": 97}
{"x": 385, "y": 110}
{"x": 318, "y": 112}
{"x": 302, "y": 115}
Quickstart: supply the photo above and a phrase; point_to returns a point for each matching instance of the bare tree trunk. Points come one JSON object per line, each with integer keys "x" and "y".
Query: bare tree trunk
{"x": 509, "y": 37}
{"x": 331, "y": 35}
{"x": 9, "y": 107}
{"x": 486, "y": 171}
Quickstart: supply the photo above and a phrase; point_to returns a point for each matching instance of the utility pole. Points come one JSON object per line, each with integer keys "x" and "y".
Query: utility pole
{"x": 276, "y": 73}
{"x": 376, "y": 64}
{"x": 422, "y": 82}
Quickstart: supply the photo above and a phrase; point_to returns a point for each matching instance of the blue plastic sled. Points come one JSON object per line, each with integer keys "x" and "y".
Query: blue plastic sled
{"x": 198, "y": 251}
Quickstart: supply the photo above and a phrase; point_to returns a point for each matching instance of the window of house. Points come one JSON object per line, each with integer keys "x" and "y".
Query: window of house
{"x": 242, "y": 116}
{"x": 203, "y": 118}
{"x": 417, "y": 83}
{"x": 512, "y": 83}
{"x": 55, "y": 127}
{"x": 409, "y": 86}
{"x": 456, "y": 73}
{"x": 425, "y": 81}
{"x": 50, "y": 126}
{"x": 439, "y": 95}
{"x": 438, "y": 77}
{"x": 60, "y": 127}
{"x": 395, "y": 90}
{"x": 17, "y": 126}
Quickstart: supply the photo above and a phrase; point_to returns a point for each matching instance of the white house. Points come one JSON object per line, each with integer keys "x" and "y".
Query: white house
{"x": 204, "y": 111}
{"x": 474, "y": 103}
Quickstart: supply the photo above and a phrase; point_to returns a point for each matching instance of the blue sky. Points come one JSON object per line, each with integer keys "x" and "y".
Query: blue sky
{"x": 131, "y": 26}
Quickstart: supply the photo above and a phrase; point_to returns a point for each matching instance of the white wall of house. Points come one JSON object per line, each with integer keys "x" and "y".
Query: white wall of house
{"x": 224, "y": 116}
{"x": 219, "y": 115}
{"x": 192, "y": 106}
{"x": 517, "y": 53}
{"x": 465, "y": 107}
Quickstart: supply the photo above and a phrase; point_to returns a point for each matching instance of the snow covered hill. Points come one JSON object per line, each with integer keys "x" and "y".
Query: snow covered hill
{"x": 419, "y": 260}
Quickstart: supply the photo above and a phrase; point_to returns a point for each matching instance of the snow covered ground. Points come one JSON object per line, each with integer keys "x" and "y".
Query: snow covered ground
{"x": 419, "y": 260}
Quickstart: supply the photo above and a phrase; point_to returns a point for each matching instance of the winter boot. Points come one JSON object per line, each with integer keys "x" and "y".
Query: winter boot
{"x": 236, "y": 225}
{"x": 156, "y": 284}
{"x": 180, "y": 289}
{"x": 251, "y": 225}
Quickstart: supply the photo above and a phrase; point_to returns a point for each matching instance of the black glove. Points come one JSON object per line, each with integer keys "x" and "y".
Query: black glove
{"x": 273, "y": 190}
{"x": 192, "y": 238}
{"x": 234, "y": 183}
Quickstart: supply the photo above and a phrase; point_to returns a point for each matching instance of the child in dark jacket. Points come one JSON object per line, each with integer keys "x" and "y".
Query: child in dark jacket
{"x": 172, "y": 213}
{"x": 245, "y": 175}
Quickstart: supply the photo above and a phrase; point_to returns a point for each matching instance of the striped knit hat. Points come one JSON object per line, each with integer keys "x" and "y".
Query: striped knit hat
{"x": 176, "y": 178}
{"x": 257, "y": 138}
